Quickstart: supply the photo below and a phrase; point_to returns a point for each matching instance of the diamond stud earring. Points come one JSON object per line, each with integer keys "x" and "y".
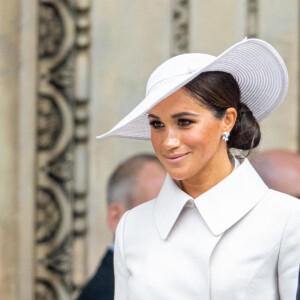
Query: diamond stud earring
{"x": 226, "y": 135}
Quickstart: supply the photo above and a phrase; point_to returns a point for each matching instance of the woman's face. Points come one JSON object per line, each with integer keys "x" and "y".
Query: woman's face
{"x": 187, "y": 137}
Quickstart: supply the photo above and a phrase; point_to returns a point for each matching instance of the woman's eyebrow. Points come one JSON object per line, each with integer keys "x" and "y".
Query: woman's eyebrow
{"x": 182, "y": 114}
{"x": 153, "y": 116}
{"x": 175, "y": 116}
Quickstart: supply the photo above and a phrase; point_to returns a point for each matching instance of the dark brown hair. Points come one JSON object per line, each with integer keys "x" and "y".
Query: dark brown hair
{"x": 218, "y": 91}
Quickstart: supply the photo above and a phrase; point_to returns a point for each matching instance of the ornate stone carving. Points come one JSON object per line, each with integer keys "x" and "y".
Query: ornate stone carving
{"x": 50, "y": 122}
{"x": 62, "y": 148}
{"x": 62, "y": 77}
{"x": 48, "y": 215}
{"x": 59, "y": 262}
{"x": 44, "y": 290}
{"x": 51, "y": 30}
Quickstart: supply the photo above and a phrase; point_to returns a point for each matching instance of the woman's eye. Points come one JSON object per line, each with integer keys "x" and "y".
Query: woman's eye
{"x": 184, "y": 122}
{"x": 156, "y": 124}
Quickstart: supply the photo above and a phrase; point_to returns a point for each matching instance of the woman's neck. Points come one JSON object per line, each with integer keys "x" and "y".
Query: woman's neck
{"x": 206, "y": 179}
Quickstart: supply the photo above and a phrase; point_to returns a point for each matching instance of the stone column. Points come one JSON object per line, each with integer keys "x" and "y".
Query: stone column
{"x": 9, "y": 150}
{"x": 62, "y": 148}
{"x": 28, "y": 75}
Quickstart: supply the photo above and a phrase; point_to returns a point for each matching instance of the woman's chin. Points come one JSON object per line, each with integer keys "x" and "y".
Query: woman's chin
{"x": 178, "y": 175}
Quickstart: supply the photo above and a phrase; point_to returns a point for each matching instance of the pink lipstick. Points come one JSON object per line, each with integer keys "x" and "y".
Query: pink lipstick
{"x": 175, "y": 158}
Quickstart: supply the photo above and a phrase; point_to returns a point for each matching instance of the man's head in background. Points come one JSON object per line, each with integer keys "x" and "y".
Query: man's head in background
{"x": 280, "y": 170}
{"x": 134, "y": 182}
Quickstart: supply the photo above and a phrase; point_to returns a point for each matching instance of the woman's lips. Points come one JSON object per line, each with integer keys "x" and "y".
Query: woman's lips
{"x": 175, "y": 158}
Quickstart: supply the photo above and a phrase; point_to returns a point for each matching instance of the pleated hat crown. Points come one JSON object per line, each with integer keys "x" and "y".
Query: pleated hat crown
{"x": 177, "y": 66}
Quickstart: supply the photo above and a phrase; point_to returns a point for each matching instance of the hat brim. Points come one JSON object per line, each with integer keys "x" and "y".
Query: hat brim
{"x": 257, "y": 67}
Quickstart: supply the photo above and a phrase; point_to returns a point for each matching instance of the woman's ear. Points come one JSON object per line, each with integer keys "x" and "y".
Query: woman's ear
{"x": 229, "y": 119}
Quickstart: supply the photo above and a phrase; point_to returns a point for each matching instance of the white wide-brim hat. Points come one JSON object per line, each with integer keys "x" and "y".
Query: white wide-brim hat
{"x": 257, "y": 67}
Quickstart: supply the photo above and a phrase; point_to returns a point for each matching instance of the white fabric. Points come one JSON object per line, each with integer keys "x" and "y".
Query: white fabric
{"x": 238, "y": 241}
{"x": 257, "y": 67}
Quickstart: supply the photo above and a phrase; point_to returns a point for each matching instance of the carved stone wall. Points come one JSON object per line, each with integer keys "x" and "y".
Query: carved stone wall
{"x": 62, "y": 141}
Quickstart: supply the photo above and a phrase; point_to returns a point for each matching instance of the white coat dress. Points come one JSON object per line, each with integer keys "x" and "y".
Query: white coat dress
{"x": 238, "y": 241}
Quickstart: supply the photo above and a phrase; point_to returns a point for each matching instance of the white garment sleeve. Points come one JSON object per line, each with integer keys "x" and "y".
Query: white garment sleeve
{"x": 289, "y": 257}
{"x": 121, "y": 272}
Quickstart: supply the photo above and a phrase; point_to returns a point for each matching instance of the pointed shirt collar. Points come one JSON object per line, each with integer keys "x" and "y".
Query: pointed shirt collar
{"x": 221, "y": 206}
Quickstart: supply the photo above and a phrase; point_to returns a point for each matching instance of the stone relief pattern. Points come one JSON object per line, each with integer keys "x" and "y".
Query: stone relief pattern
{"x": 180, "y": 27}
{"x": 81, "y": 138}
{"x": 51, "y": 30}
{"x": 60, "y": 227}
{"x": 252, "y": 19}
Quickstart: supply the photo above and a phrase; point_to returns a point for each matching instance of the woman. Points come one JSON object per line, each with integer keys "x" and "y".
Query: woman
{"x": 215, "y": 231}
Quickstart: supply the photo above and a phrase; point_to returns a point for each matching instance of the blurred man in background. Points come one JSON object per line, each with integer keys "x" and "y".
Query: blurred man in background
{"x": 134, "y": 182}
{"x": 280, "y": 170}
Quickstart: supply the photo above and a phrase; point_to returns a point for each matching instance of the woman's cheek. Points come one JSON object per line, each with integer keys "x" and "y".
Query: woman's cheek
{"x": 154, "y": 140}
{"x": 193, "y": 138}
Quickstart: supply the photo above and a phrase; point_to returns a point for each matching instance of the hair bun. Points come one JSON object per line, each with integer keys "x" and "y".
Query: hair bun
{"x": 243, "y": 108}
{"x": 245, "y": 134}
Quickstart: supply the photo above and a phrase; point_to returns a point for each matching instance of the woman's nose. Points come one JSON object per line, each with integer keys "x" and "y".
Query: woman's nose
{"x": 171, "y": 139}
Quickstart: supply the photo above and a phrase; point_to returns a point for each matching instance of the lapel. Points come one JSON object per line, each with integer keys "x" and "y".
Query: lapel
{"x": 231, "y": 199}
{"x": 168, "y": 205}
{"x": 221, "y": 206}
